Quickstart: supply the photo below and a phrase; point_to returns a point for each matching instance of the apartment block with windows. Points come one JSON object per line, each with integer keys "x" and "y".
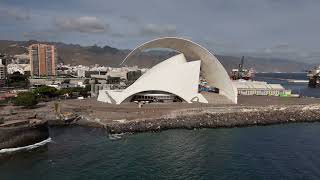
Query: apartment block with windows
{"x": 43, "y": 59}
{"x": 3, "y": 71}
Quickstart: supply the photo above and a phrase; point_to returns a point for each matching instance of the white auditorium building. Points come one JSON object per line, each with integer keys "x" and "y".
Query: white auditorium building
{"x": 177, "y": 78}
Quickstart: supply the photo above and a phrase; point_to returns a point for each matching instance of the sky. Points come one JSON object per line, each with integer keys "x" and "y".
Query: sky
{"x": 286, "y": 29}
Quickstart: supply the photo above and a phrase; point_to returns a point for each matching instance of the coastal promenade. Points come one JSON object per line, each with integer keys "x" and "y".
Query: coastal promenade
{"x": 251, "y": 110}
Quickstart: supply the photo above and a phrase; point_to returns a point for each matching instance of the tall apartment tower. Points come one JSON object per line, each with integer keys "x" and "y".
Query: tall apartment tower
{"x": 43, "y": 60}
{"x": 3, "y": 71}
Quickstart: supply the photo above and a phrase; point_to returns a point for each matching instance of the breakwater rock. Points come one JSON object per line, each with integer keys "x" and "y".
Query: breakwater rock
{"x": 23, "y": 134}
{"x": 220, "y": 117}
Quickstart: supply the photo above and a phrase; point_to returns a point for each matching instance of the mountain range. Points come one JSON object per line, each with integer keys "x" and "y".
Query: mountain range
{"x": 75, "y": 54}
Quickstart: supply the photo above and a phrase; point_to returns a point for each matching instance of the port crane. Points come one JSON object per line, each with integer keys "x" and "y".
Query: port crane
{"x": 314, "y": 77}
{"x": 241, "y": 72}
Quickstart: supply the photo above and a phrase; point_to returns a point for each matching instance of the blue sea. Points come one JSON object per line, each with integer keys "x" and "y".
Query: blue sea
{"x": 288, "y": 151}
{"x": 297, "y": 88}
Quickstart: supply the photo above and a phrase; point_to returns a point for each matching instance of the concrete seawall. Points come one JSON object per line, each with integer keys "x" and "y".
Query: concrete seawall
{"x": 19, "y": 136}
{"x": 217, "y": 118}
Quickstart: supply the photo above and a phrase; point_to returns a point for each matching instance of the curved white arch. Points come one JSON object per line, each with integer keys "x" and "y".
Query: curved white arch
{"x": 211, "y": 69}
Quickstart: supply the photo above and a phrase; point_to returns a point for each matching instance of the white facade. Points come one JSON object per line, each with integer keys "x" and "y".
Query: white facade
{"x": 81, "y": 73}
{"x": 211, "y": 69}
{"x": 18, "y": 67}
{"x": 174, "y": 75}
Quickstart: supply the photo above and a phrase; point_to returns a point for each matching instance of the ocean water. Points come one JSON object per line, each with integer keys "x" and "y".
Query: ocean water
{"x": 288, "y": 151}
{"x": 297, "y": 88}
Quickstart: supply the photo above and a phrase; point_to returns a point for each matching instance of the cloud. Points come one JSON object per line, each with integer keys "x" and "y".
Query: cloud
{"x": 158, "y": 30}
{"x": 84, "y": 24}
{"x": 146, "y": 30}
{"x": 16, "y": 14}
{"x": 130, "y": 19}
{"x": 283, "y": 51}
{"x": 43, "y": 35}
{"x": 281, "y": 48}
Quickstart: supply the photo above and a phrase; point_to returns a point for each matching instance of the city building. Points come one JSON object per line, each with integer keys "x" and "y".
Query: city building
{"x": 132, "y": 76}
{"x": 21, "y": 59}
{"x": 177, "y": 79}
{"x": 43, "y": 59}
{"x": 260, "y": 88}
{"x": 21, "y": 68}
{"x": 3, "y": 71}
{"x": 81, "y": 73}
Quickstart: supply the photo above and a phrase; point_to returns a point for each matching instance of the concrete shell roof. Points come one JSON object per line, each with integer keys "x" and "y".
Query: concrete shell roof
{"x": 164, "y": 77}
{"x": 211, "y": 69}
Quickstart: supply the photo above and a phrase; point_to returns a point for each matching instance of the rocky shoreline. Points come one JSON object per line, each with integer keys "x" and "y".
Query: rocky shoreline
{"x": 210, "y": 118}
{"x": 128, "y": 118}
{"x": 23, "y": 135}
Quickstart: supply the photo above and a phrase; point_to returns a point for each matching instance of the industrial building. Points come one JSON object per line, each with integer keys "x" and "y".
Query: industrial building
{"x": 87, "y": 74}
{"x": 43, "y": 59}
{"x": 314, "y": 77}
{"x": 260, "y": 88}
{"x": 176, "y": 79}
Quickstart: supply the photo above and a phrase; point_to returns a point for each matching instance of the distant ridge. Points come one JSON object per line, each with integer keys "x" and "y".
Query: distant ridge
{"x": 89, "y": 55}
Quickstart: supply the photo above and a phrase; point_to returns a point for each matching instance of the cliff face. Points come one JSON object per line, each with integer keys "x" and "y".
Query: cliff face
{"x": 24, "y": 135}
{"x": 89, "y": 55}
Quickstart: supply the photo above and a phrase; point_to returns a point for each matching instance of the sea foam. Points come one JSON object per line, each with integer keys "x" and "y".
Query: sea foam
{"x": 29, "y": 147}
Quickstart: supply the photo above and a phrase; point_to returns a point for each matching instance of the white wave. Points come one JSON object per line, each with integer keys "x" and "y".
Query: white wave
{"x": 29, "y": 147}
{"x": 115, "y": 136}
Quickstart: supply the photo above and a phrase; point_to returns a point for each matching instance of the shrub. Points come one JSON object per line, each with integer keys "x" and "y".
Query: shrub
{"x": 66, "y": 81}
{"x": 46, "y": 92}
{"x": 26, "y": 99}
{"x": 1, "y": 120}
{"x": 86, "y": 81}
{"x": 74, "y": 91}
{"x": 65, "y": 91}
{"x": 83, "y": 92}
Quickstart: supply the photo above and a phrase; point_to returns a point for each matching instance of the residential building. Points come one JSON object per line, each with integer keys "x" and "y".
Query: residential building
{"x": 81, "y": 73}
{"x": 43, "y": 59}
{"x": 3, "y": 71}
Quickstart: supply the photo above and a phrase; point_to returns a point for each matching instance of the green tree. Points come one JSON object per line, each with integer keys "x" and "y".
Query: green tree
{"x": 46, "y": 92}
{"x": 26, "y": 99}
{"x": 64, "y": 91}
{"x": 18, "y": 80}
{"x": 83, "y": 92}
{"x": 74, "y": 91}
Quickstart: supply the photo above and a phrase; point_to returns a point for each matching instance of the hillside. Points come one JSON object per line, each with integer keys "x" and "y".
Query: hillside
{"x": 89, "y": 55}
